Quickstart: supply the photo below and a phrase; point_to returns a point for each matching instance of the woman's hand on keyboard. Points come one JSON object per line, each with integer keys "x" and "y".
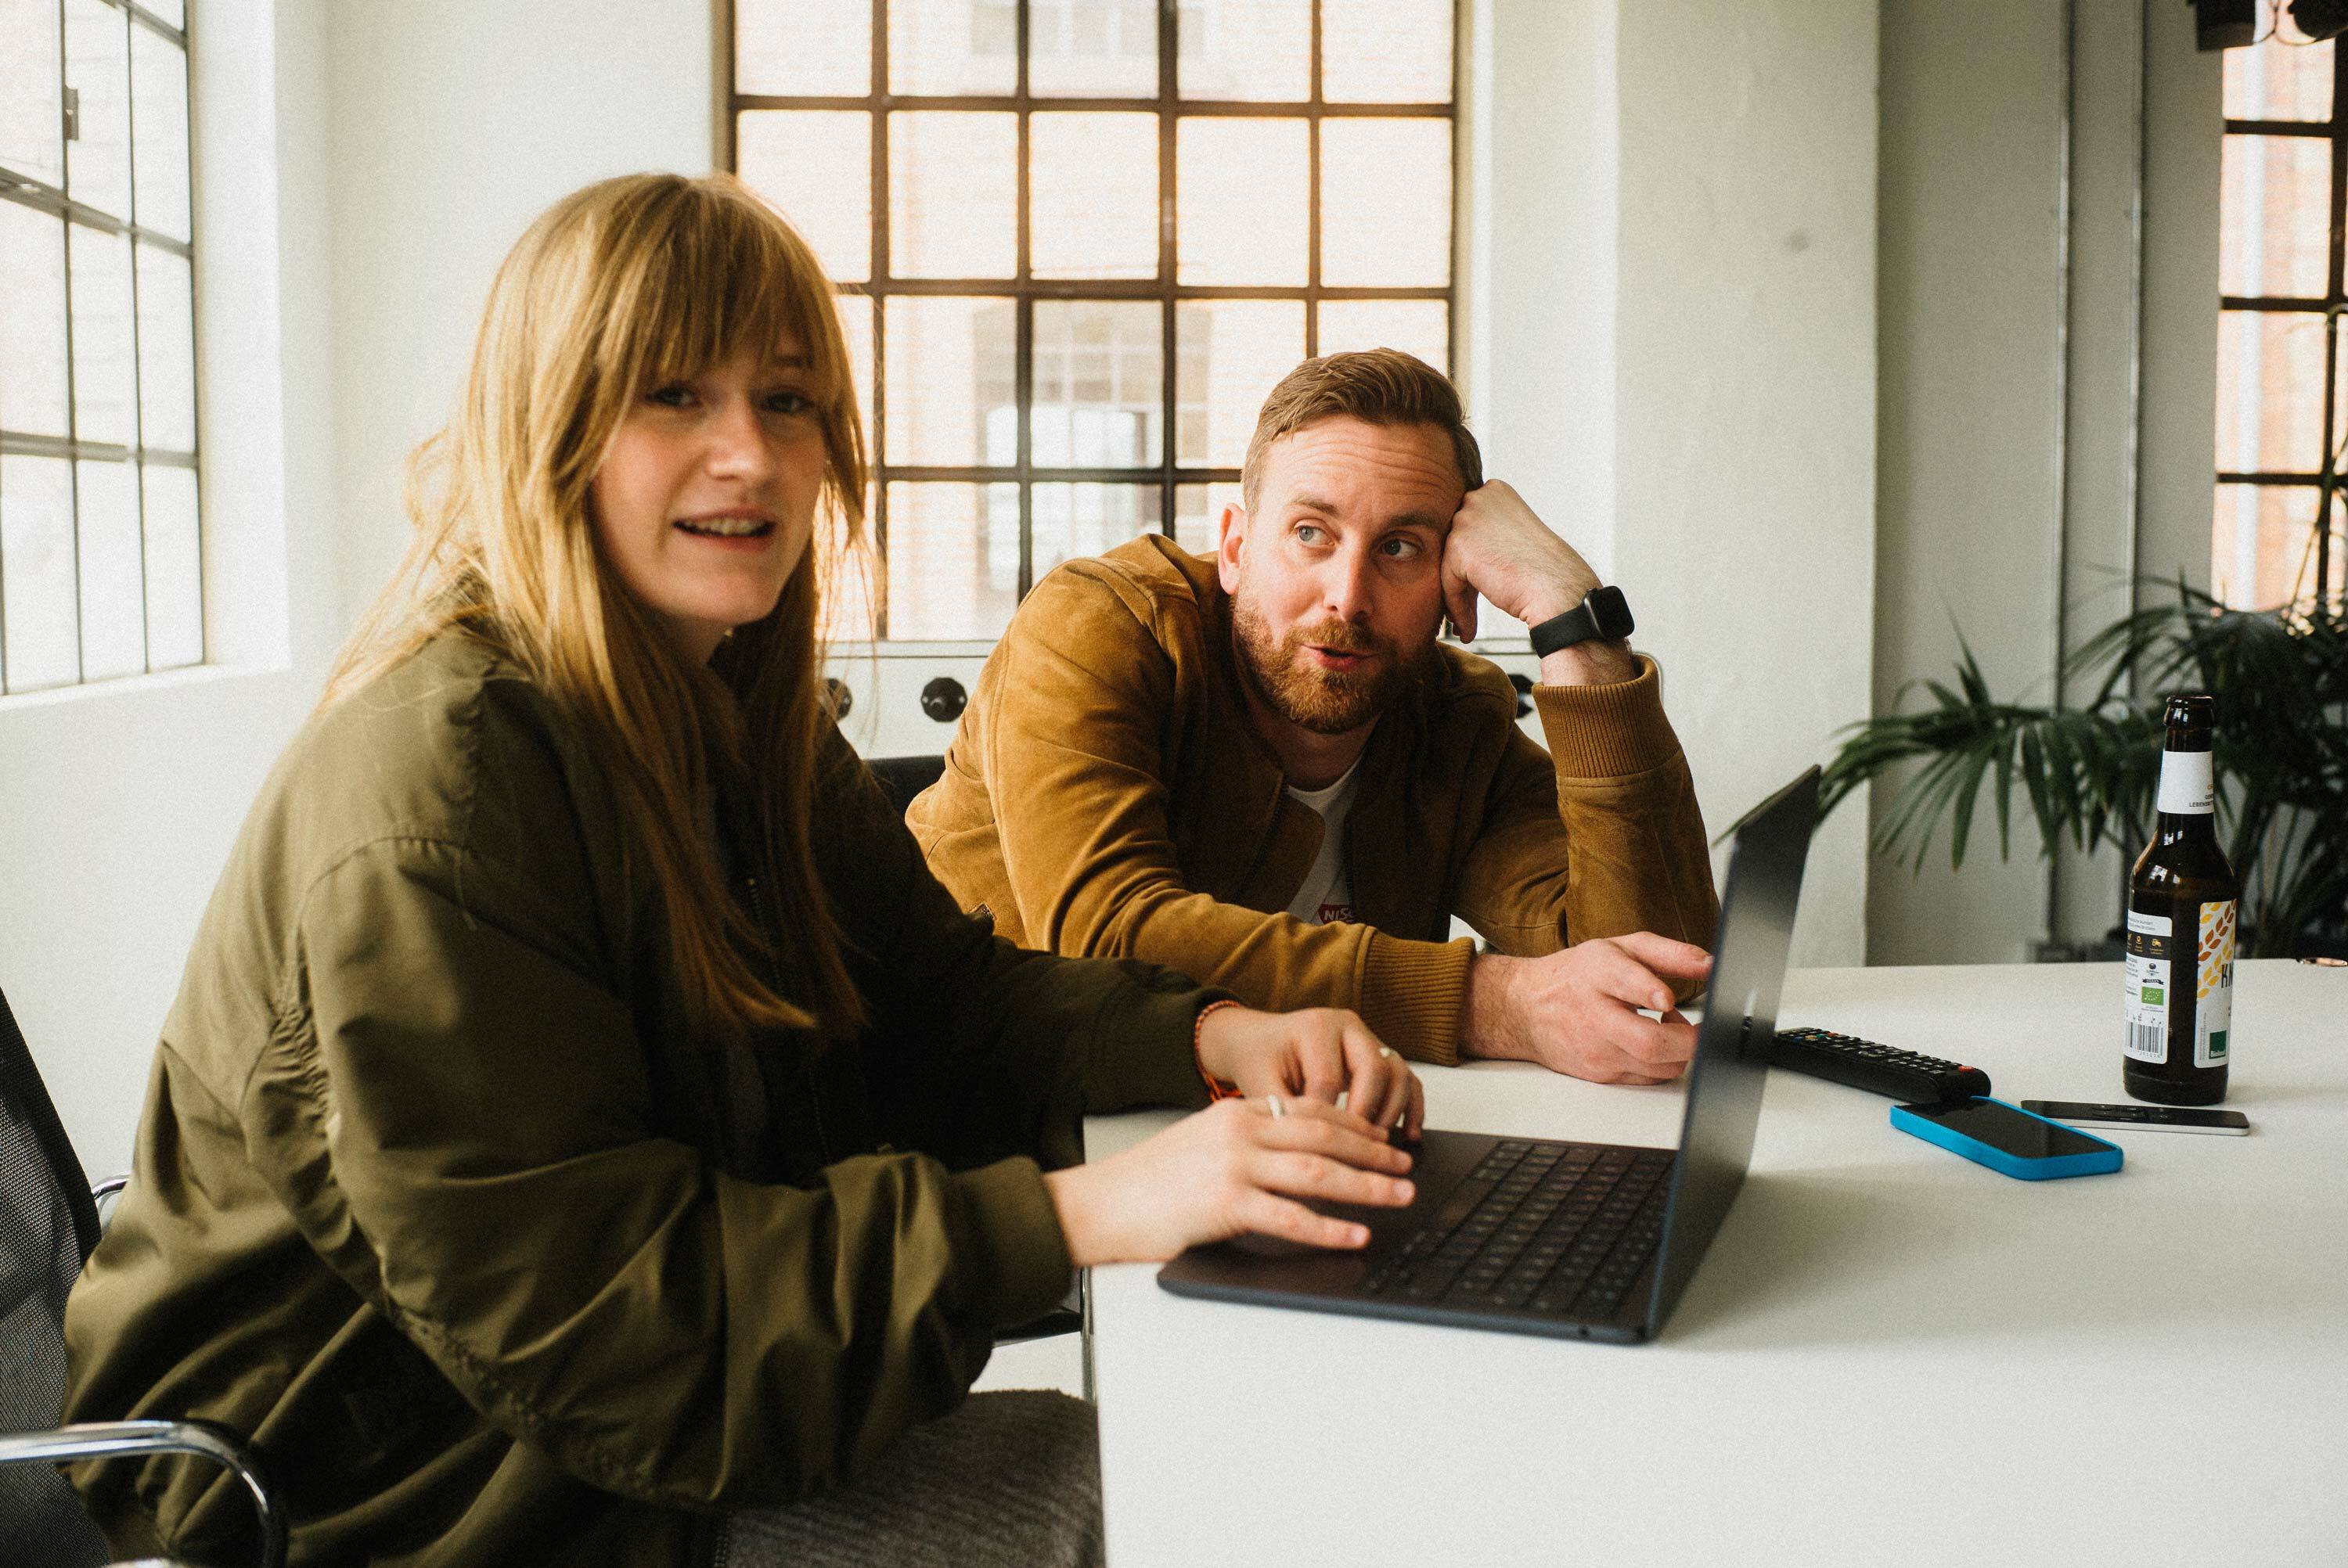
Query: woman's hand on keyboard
{"x": 1317, "y": 1054}
{"x": 1232, "y": 1168}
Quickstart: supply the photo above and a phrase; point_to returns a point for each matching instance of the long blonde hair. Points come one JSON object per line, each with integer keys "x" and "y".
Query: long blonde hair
{"x": 626, "y": 284}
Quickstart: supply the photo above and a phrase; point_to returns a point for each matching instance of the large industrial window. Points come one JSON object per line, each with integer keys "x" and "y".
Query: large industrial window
{"x": 1077, "y": 241}
{"x": 2282, "y": 380}
{"x": 100, "y": 564}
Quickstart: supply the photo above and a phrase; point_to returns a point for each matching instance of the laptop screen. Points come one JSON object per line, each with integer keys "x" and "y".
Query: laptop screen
{"x": 1740, "y": 1018}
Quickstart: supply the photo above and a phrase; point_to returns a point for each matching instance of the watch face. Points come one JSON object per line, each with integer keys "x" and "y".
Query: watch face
{"x": 1612, "y": 613}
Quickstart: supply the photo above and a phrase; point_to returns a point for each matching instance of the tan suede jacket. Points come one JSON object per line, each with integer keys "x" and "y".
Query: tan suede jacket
{"x": 1108, "y": 795}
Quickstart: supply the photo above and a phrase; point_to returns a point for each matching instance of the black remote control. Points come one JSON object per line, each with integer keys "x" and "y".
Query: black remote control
{"x": 1880, "y": 1069}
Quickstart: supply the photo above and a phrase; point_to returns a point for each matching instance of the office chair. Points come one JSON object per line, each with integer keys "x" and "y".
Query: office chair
{"x": 48, "y": 1227}
{"x": 903, "y": 778}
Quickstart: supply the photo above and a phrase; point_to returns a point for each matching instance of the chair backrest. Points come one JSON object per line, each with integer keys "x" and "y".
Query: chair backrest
{"x": 47, "y": 1227}
{"x": 905, "y": 777}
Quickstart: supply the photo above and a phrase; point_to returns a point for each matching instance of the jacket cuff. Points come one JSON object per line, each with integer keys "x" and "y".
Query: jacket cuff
{"x": 1412, "y": 993}
{"x": 1147, "y": 1053}
{"x": 1019, "y": 1267}
{"x": 1610, "y": 731}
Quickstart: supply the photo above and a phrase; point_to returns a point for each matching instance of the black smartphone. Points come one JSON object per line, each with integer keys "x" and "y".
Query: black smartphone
{"x": 2143, "y": 1117}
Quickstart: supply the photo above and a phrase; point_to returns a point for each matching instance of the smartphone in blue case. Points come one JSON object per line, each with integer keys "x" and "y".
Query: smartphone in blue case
{"x": 2007, "y": 1139}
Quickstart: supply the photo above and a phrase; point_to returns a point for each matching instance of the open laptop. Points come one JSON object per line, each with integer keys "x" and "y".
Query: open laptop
{"x": 1592, "y": 1241}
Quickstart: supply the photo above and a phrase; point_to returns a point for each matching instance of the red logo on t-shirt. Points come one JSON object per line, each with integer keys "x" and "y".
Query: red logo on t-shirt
{"x": 1331, "y": 913}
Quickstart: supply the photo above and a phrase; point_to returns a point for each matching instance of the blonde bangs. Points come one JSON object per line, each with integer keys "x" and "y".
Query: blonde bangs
{"x": 701, "y": 272}
{"x": 619, "y": 288}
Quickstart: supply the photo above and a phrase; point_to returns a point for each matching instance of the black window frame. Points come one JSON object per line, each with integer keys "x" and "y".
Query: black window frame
{"x": 1025, "y": 290}
{"x": 2331, "y": 307}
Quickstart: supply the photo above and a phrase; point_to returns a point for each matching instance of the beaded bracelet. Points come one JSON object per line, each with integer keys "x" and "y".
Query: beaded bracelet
{"x": 1216, "y": 1087}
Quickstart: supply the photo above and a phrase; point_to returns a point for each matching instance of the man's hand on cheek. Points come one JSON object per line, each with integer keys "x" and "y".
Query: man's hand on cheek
{"x": 1498, "y": 549}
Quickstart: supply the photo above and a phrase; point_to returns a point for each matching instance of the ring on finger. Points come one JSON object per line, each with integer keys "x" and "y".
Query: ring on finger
{"x": 1386, "y": 1053}
{"x": 1271, "y": 1102}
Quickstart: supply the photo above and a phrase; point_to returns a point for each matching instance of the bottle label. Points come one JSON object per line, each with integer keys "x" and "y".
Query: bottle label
{"x": 2213, "y": 990}
{"x": 2187, "y": 787}
{"x": 2149, "y": 949}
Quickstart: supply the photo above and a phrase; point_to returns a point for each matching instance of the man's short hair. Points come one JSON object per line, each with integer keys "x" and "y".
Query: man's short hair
{"x": 1377, "y": 386}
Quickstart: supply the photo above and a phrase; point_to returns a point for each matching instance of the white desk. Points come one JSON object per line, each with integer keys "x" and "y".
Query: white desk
{"x": 1889, "y": 1355}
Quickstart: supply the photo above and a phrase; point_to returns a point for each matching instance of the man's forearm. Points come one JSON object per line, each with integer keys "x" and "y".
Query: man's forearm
{"x": 1590, "y": 664}
{"x": 1486, "y": 1013}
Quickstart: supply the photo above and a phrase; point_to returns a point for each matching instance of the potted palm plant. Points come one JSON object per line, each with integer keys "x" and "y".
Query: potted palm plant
{"x": 2088, "y": 772}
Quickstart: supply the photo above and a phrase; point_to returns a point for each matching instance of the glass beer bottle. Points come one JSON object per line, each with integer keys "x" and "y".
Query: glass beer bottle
{"x": 2182, "y": 906}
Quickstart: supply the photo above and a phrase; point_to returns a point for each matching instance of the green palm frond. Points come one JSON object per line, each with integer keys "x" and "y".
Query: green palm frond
{"x": 2087, "y": 773}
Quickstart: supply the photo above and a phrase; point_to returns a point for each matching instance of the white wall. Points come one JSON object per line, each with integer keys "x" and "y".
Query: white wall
{"x": 1972, "y": 411}
{"x": 1744, "y": 396}
{"x": 1671, "y": 351}
{"x": 119, "y": 801}
{"x": 1536, "y": 273}
{"x": 453, "y": 125}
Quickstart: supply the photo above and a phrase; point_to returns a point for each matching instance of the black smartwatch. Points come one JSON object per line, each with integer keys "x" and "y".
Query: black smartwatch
{"x": 1604, "y": 615}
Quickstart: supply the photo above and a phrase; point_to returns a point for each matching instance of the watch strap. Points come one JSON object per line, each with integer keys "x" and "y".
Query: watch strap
{"x": 1605, "y": 613}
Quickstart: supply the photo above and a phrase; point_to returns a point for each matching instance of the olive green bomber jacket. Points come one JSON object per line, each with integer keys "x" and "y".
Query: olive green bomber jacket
{"x": 438, "y": 1197}
{"x": 1107, "y": 795}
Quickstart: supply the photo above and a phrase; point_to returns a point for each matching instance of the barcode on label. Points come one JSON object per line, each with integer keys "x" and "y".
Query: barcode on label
{"x": 2148, "y": 1041}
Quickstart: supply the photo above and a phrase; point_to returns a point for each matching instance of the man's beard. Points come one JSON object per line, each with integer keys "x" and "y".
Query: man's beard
{"x": 1325, "y": 702}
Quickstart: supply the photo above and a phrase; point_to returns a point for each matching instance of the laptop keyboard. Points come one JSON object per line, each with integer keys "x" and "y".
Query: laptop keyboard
{"x": 1564, "y": 1229}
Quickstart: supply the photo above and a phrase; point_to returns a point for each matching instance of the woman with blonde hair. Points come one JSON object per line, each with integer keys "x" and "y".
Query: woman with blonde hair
{"x": 585, "y": 1132}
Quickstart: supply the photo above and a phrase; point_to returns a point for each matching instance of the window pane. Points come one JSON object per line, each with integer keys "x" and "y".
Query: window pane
{"x": 953, "y": 46}
{"x": 2263, "y": 544}
{"x": 2270, "y": 392}
{"x": 1100, "y": 389}
{"x": 2274, "y": 200}
{"x": 1078, "y": 520}
{"x": 1093, "y": 48}
{"x": 33, "y": 322}
{"x": 175, "y": 12}
{"x": 954, "y": 195}
{"x": 953, "y": 560}
{"x": 1420, "y": 327}
{"x": 1094, "y": 195}
{"x": 2275, "y": 80}
{"x": 97, "y": 67}
{"x": 791, "y": 47}
{"x": 1385, "y": 204}
{"x": 817, "y": 166}
{"x": 949, "y": 394}
{"x": 175, "y": 591}
{"x": 851, "y": 581}
{"x": 105, "y": 379}
{"x": 113, "y": 574}
{"x": 166, "y": 351}
{"x": 856, "y": 329}
{"x": 1228, "y": 353}
{"x": 1386, "y": 52}
{"x": 160, "y": 131}
{"x": 1199, "y": 515}
{"x": 1240, "y": 199}
{"x": 36, "y": 573}
{"x": 1253, "y": 49}
{"x": 31, "y": 117}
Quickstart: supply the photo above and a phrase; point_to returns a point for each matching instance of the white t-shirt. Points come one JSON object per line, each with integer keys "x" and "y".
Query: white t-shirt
{"x": 1327, "y": 895}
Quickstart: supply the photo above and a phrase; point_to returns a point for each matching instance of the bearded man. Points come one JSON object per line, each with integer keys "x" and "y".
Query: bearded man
{"x": 1263, "y": 769}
